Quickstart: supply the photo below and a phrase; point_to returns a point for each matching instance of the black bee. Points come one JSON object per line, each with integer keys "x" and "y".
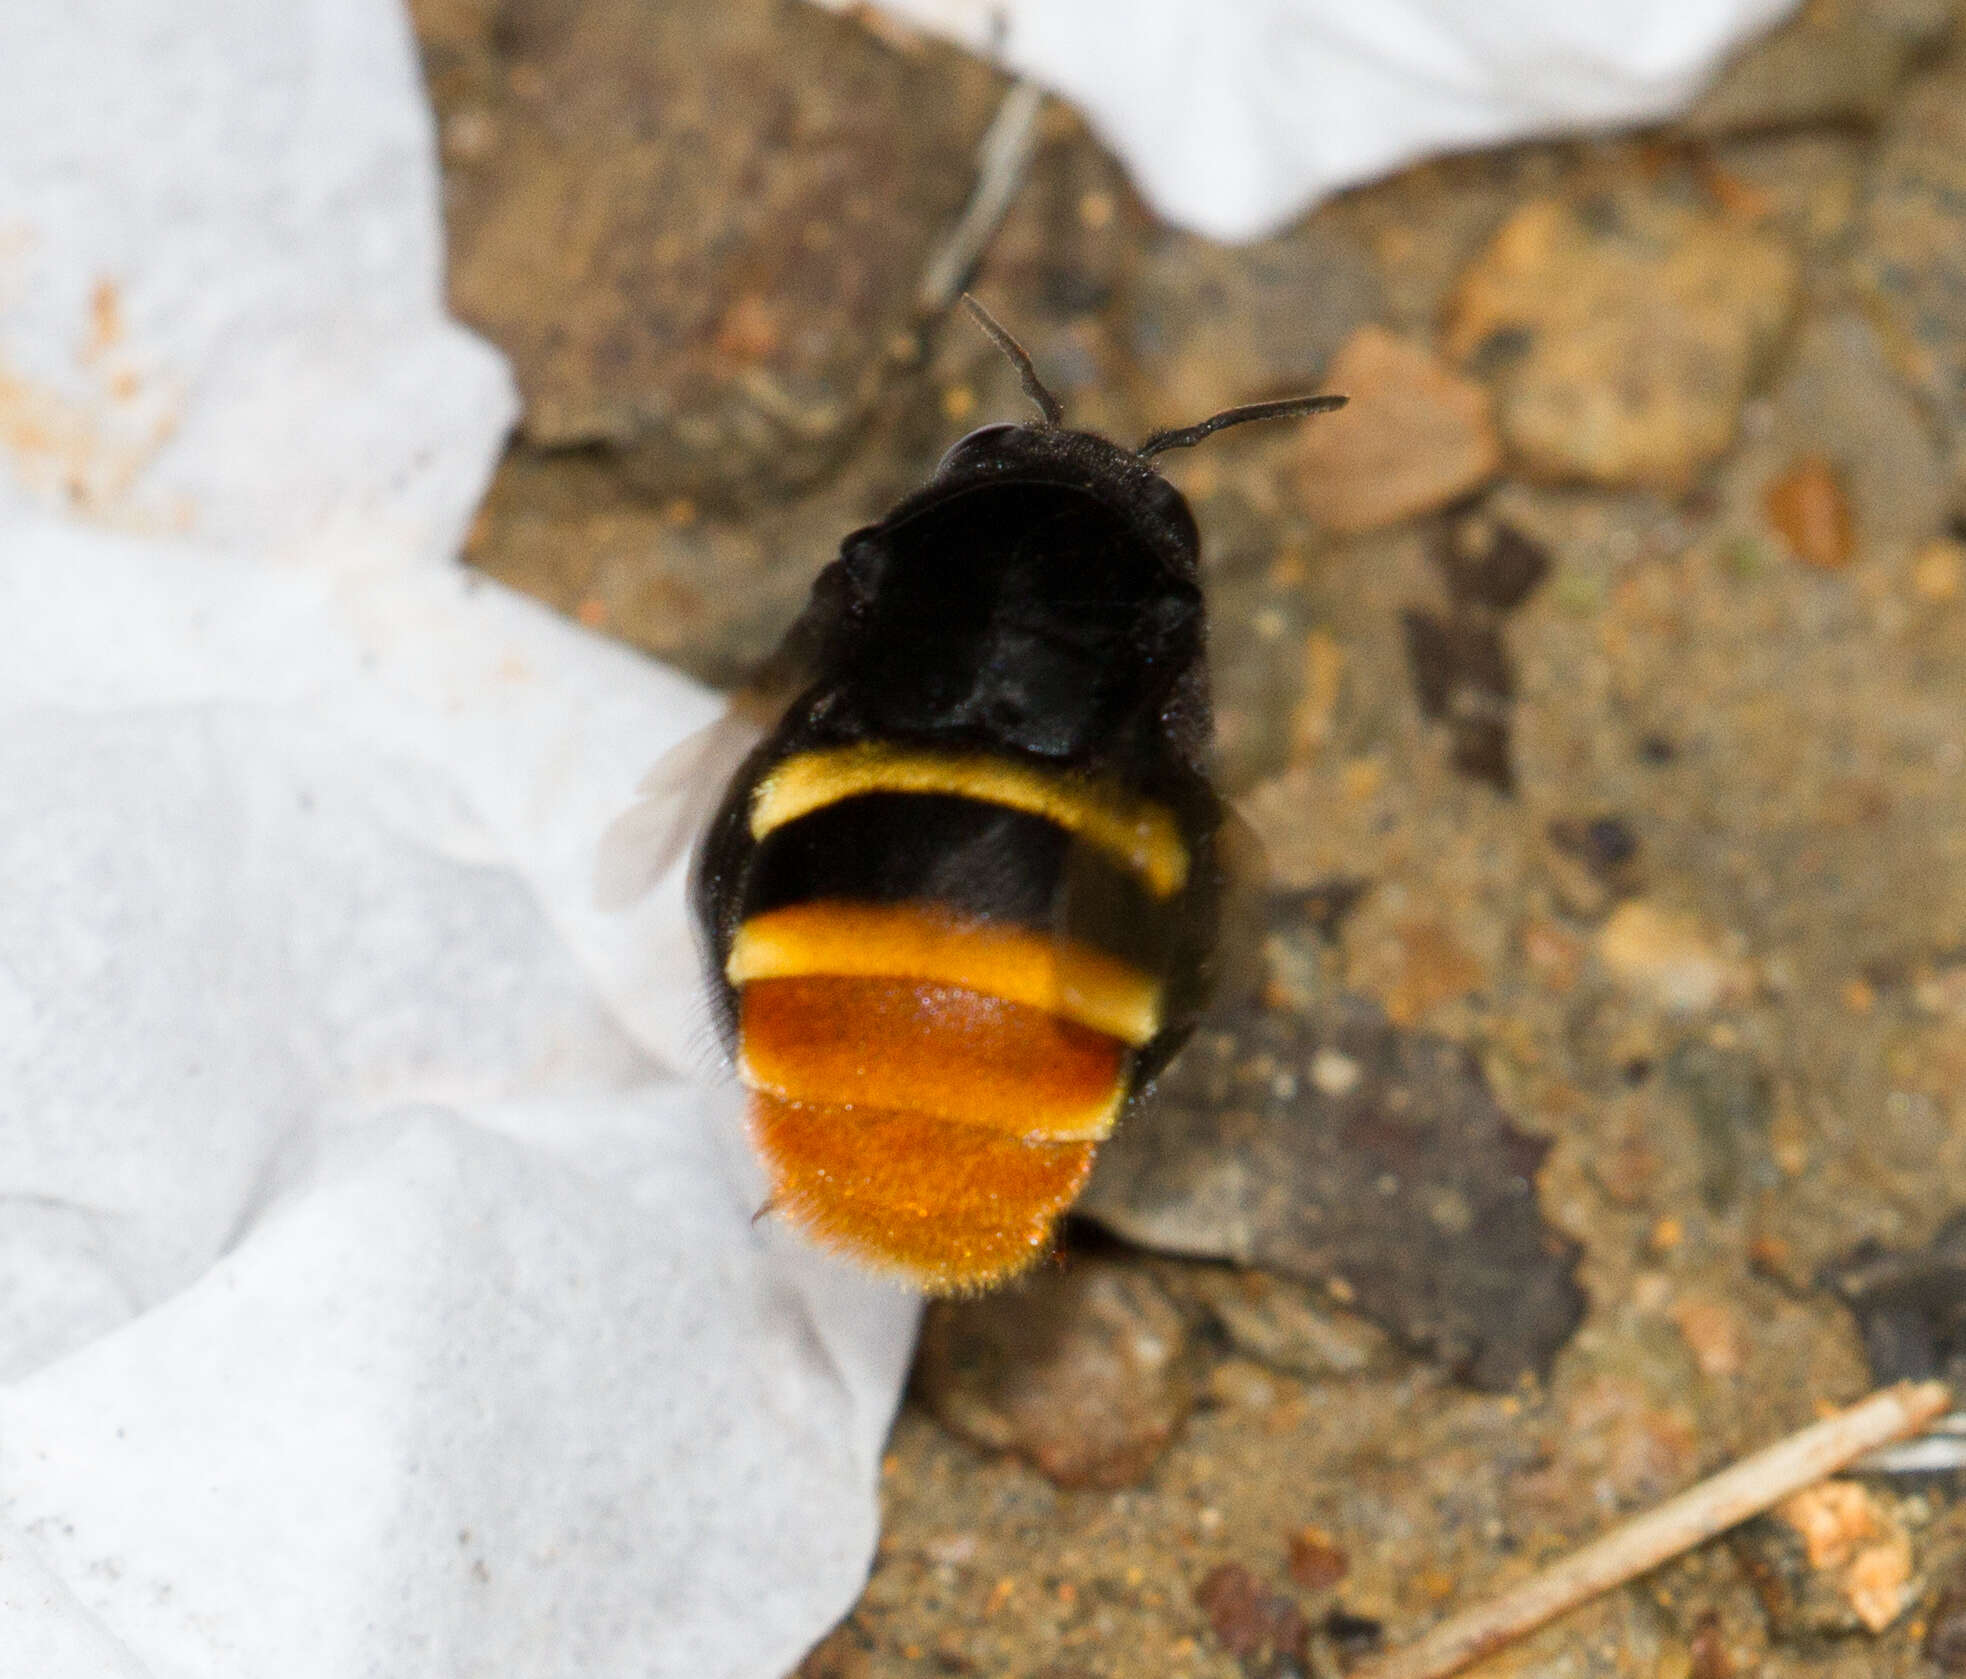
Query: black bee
{"x": 961, "y": 902}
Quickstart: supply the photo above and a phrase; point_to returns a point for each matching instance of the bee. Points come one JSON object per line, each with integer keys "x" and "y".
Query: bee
{"x": 960, "y": 905}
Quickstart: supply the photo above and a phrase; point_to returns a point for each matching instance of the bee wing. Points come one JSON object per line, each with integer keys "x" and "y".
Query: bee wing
{"x": 675, "y": 800}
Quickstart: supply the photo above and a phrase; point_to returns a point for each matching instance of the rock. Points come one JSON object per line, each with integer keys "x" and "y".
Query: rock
{"x": 1910, "y": 1305}
{"x": 1407, "y": 1186}
{"x": 1213, "y": 325}
{"x": 697, "y": 230}
{"x": 1834, "y": 61}
{"x": 1261, "y": 1627}
{"x": 1834, "y": 1558}
{"x": 1910, "y": 258}
{"x": 1352, "y": 1637}
{"x": 1082, "y": 1371}
{"x": 1462, "y": 677}
{"x": 1414, "y": 437}
{"x": 1620, "y": 335}
{"x": 1667, "y": 958}
{"x": 1806, "y": 504}
{"x": 1281, "y": 1323}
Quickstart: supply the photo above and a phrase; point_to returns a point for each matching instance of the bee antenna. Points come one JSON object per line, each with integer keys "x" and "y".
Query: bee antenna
{"x": 1186, "y": 437}
{"x": 1048, "y": 405}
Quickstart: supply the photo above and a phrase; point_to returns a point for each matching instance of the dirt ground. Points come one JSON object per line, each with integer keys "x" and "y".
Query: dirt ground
{"x": 1660, "y": 842}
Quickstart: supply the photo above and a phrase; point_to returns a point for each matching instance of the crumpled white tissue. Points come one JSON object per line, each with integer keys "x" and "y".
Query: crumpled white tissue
{"x": 1234, "y": 116}
{"x": 375, "y": 1296}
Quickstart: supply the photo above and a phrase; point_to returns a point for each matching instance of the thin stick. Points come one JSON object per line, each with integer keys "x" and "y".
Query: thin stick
{"x": 1694, "y": 1516}
{"x": 1000, "y": 163}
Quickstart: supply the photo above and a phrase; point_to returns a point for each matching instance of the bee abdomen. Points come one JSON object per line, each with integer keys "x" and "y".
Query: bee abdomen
{"x": 934, "y": 1040}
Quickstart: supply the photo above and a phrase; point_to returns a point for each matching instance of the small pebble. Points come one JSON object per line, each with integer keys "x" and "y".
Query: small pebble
{"x": 1316, "y": 1562}
{"x": 1262, "y": 1628}
{"x": 1334, "y": 1073}
{"x": 1666, "y": 957}
{"x": 1712, "y": 1332}
{"x": 1084, "y": 1371}
{"x": 1808, "y": 506}
{"x": 1938, "y": 571}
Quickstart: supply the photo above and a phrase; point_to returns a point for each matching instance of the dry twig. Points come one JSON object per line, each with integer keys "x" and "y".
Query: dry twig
{"x": 1694, "y": 1516}
{"x": 1000, "y": 163}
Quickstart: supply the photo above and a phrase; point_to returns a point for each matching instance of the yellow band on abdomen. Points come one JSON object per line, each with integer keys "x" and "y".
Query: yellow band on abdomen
{"x": 1137, "y": 833}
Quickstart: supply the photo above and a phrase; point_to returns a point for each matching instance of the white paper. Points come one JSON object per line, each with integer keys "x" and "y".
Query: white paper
{"x": 1235, "y": 116}
{"x": 376, "y": 1294}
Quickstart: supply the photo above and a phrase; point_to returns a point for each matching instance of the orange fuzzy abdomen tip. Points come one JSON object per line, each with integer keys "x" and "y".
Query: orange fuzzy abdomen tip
{"x": 953, "y": 1207}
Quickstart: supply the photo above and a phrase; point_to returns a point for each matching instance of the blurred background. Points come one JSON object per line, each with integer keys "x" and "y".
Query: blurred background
{"x": 1597, "y": 683}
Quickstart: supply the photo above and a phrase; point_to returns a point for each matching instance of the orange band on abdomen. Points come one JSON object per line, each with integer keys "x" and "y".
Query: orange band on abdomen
{"x": 935, "y": 1049}
{"x": 917, "y": 942}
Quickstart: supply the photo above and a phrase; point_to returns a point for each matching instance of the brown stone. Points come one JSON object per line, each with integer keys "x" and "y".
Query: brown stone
{"x": 1316, "y": 1561}
{"x": 697, "y": 230}
{"x": 1620, "y": 336}
{"x": 1084, "y": 1371}
{"x": 1807, "y": 505}
{"x": 1414, "y": 436}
